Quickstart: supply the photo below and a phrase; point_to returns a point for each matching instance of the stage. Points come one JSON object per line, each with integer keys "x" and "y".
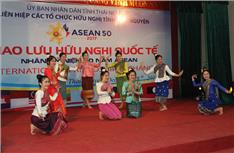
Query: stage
{"x": 181, "y": 129}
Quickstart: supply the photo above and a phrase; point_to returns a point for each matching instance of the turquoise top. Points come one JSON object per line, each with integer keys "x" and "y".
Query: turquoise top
{"x": 127, "y": 91}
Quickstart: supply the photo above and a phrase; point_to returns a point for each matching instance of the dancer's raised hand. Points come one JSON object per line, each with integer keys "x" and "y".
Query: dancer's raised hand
{"x": 142, "y": 65}
{"x": 194, "y": 76}
{"x": 229, "y": 91}
{"x": 80, "y": 58}
{"x": 181, "y": 72}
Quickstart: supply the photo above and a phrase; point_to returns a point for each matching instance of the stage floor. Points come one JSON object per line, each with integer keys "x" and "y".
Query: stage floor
{"x": 181, "y": 129}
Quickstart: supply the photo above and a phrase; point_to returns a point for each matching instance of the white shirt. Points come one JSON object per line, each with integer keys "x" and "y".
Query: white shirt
{"x": 62, "y": 73}
{"x": 103, "y": 96}
{"x": 165, "y": 78}
{"x": 39, "y": 109}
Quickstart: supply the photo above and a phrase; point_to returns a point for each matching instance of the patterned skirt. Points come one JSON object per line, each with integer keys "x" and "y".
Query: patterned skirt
{"x": 134, "y": 109}
{"x": 209, "y": 106}
{"x": 54, "y": 123}
{"x": 162, "y": 89}
{"x": 87, "y": 88}
{"x": 110, "y": 111}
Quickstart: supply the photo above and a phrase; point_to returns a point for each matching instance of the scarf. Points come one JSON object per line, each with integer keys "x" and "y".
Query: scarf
{"x": 206, "y": 87}
{"x": 160, "y": 68}
{"x": 105, "y": 86}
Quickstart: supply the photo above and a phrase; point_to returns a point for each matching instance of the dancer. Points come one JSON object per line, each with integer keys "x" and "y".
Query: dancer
{"x": 161, "y": 80}
{"x": 42, "y": 120}
{"x": 105, "y": 92}
{"x": 211, "y": 103}
{"x": 88, "y": 69}
{"x": 57, "y": 104}
{"x": 133, "y": 90}
{"x": 63, "y": 75}
{"x": 121, "y": 68}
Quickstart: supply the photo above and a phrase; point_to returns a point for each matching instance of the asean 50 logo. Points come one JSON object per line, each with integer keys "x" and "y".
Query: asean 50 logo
{"x": 57, "y": 32}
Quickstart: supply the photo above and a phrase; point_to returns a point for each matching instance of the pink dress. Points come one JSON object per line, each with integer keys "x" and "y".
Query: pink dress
{"x": 105, "y": 105}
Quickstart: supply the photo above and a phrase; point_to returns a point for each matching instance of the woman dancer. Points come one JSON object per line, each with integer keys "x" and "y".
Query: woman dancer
{"x": 105, "y": 92}
{"x": 63, "y": 75}
{"x": 57, "y": 104}
{"x": 88, "y": 69}
{"x": 133, "y": 90}
{"x": 211, "y": 103}
{"x": 161, "y": 80}
{"x": 121, "y": 68}
{"x": 42, "y": 120}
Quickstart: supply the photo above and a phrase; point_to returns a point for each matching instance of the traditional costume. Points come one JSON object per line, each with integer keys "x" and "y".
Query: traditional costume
{"x": 108, "y": 109}
{"x": 88, "y": 69}
{"x": 62, "y": 78}
{"x": 121, "y": 68}
{"x": 161, "y": 80}
{"x": 133, "y": 100}
{"x": 57, "y": 104}
{"x": 211, "y": 101}
{"x": 49, "y": 122}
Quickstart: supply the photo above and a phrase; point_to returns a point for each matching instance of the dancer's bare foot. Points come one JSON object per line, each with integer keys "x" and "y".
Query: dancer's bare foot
{"x": 43, "y": 132}
{"x": 89, "y": 106}
{"x": 163, "y": 108}
{"x": 220, "y": 110}
{"x": 88, "y": 103}
{"x": 101, "y": 116}
{"x": 32, "y": 129}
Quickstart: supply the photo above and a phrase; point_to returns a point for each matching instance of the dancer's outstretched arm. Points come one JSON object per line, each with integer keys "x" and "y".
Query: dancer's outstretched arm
{"x": 169, "y": 71}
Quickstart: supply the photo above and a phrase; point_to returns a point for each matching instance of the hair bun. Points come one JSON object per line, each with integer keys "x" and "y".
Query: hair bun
{"x": 39, "y": 76}
{"x": 47, "y": 55}
{"x": 103, "y": 69}
{"x": 204, "y": 69}
{"x": 85, "y": 52}
{"x": 130, "y": 70}
{"x": 118, "y": 52}
{"x": 156, "y": 56}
